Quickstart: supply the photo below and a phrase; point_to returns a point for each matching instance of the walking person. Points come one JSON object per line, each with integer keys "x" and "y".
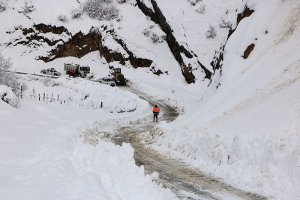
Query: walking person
{"x": 155, "y": 113}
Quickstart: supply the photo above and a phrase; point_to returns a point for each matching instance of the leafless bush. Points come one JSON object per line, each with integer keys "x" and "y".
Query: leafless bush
{"x": 2, "y": 6}
{"x": 28, "y": 8}
{"x": 5, "y": 64}
{"x": 225, "y": 24}
{"x": 6, "y": 77}
{"x": 101, "y": 9}
{"x": 149, "y": 32}
{"x": 211, "y": 32}
{"x": 62, "y": 18}
{"x": 154, "y": 38}
{"x": 201, "y": 9}
{"x": 76, "y": 14}
{"x": 194, "y": 2}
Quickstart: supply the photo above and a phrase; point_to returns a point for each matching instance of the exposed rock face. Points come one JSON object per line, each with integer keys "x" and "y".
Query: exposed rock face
{"x": 43, "y": 28}
{"x": 135, "y": 62}
{"x": 176, "y": 49}
{"x": 111, "y": 56}
{"x": 33, "y": 37}
{"x": 247, "y": 12}
{"x": 248, "y": 51}
{"x": 217, "y": 61}
{"x": 78, "y": 45}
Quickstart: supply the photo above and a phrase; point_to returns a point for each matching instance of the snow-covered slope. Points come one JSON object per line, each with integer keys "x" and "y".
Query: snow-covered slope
{"x": 247, "y": 130}
{"x": 242, "y": 123}
{"x": 45, "y": 153}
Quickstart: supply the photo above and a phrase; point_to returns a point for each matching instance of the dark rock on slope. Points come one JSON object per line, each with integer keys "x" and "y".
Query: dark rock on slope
{"x": 217, "y": 61}
{"x": 176, "y": 49}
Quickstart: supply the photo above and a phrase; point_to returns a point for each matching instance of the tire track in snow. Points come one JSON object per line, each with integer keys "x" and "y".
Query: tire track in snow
{"x": 185, "y": 182}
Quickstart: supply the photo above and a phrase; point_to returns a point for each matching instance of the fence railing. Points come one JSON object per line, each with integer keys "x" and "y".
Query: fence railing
{"x": 51, "y": 97}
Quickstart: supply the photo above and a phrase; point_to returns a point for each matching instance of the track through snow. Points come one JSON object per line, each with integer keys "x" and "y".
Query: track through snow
{"x": 185, "y": 182}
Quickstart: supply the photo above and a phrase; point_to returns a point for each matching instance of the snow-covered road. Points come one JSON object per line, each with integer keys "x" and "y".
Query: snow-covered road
{"x": 185, "y": 182}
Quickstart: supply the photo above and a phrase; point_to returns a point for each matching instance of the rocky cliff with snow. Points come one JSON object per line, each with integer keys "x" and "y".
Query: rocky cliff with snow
{"x": 188, "y": 38}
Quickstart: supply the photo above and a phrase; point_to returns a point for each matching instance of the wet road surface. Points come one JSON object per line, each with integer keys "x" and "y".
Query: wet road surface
{"x": 185, "y": 182}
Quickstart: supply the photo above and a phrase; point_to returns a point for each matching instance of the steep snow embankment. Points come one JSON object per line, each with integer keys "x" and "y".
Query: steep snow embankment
{"x": 247, "y": 130}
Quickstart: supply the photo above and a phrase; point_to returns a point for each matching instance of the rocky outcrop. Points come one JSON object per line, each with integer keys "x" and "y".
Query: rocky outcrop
{"x": 78, "y": 45}
{"x": 247, "y": 12}
{"x": 35, "y": 41}
{"x": 34, "y": 38}
{"x": 157, "y": 16}
{"x": 248, "y": 51}
{"x": 218, "y": 58}
{"x": 43, "y": 28}
{"x": 135, "y": 62}
{"x": 111, "y": 56}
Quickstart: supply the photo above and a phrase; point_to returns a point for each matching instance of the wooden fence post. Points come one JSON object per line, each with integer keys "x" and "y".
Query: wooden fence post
{"x": 21, "y": 91}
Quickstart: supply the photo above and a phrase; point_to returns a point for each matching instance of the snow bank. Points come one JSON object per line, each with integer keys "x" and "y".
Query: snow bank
{"x": 7, "y": 95}
{"x": 247, "y": 130}
{"x": 44, "y": 155}
{"x": 82, "y": 93}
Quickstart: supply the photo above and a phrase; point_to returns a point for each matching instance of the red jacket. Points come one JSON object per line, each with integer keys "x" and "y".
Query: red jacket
{"x": 155, "y": 110}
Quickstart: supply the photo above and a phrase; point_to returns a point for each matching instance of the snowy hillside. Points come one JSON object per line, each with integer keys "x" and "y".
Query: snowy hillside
{"x": 231, "y": 68}
{"x": 247, "y": 130}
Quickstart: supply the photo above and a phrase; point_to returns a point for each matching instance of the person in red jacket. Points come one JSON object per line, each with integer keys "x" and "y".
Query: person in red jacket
{"x": 155, "y": 113}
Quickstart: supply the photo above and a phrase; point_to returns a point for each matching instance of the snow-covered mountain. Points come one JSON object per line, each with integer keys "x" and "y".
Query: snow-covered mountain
{"x": 148, "y": 34}
{"x": 231, "y": 67}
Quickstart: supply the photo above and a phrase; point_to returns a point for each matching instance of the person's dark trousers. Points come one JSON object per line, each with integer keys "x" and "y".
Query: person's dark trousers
{"x": 155, "y": 117}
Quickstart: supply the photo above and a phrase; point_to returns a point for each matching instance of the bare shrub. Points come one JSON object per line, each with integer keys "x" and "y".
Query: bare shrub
{"x": 194, "y": 2}
{"x": 149, "y": 32}
{"x": 225, "y": 24}
{"x": 62, "y": 18}
{"x": 28, "y": 8}
{"x": 5, "y": 64}
{"x": 6, "y": 77}
{"x": 154, "y": 38}
{"x": 201, "y": 9}
{"x": 76, "y": 14}
{"x": 101, "y": 9}
{"x": 211, "y": 32}
{"x": 2, "y": 6}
